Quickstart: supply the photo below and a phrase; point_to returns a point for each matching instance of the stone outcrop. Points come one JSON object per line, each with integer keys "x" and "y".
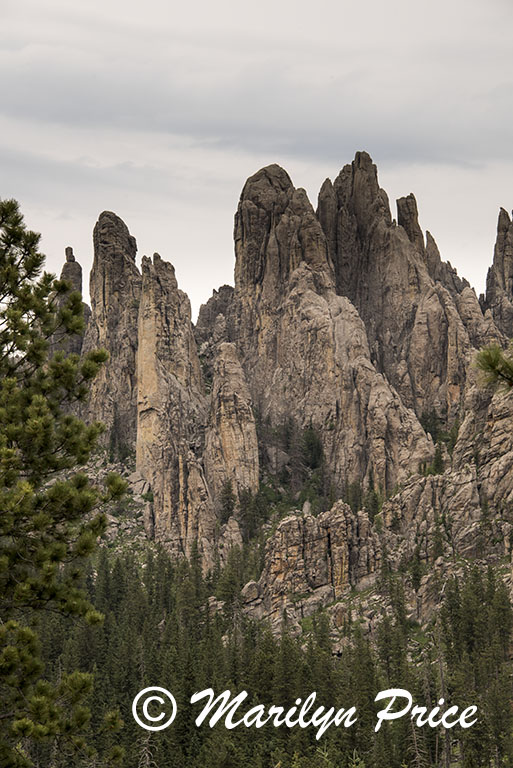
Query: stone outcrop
{"x": 407, "y": 297}
{"x": 342, "y": 323}
{"x": 72, "y": 273}
{"x": 311, "y": 562}
{"x": 115, "y": 291}
{"x": 304, "y": 348}
{"x": 171, "y": 415}
{"x": 486, "y": 438}
{"x": 231, "y": 450}
{"x": 219, "y": 304}
{"x": 499, "y": 281}
{"x": 215, "y": 325}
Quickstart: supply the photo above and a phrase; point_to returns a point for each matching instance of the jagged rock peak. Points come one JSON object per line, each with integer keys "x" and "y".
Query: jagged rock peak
{"x": 276, "y": 230}
{"x": 111, "y": 237}
{"x": 218, "y": 304}
{"x": 408, "y": 219}
{"x": 72, "y": 271}
{"x": 349, "y": 210}
{"x": 157, "y": 266}
{"x": 358, "y": 182}
{"x": 165, "y": 329}
{"x": 115, "y": 290}
{"x": 499, "y": 281}
{"x": 414, "y": 306}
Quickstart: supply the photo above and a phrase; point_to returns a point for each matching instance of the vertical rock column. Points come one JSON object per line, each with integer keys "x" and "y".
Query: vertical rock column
{"x": 231, "y": 451}
{"x": 72, "y": 273}
{"x": 115, "y": 289}
{"x": 171, "y": 415}
{"x": 304, "y": 348}
{"x": 499, "y": 281}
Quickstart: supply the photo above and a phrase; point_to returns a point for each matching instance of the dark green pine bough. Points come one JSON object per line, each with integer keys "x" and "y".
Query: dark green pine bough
{"x": 496, "y": 365}
{"x": 48, "y": 524}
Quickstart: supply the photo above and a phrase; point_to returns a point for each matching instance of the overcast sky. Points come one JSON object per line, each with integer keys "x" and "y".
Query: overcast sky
{"x": 159, "y": 111}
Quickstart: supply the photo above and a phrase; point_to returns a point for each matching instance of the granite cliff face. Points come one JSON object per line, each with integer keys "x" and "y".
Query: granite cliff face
{"x": 422, "y": 320}
{"x": 499, "y": 281}
{"x": 231, "y": 450}
{"x": 304, "y": 348}
{"x": 345, "y": 327}
{"x": 171, "y": 413}
{"x": 115, "y": 291}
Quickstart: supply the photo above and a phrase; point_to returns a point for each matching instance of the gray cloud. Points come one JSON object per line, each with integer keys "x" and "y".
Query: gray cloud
{"x": 161, "y": 111}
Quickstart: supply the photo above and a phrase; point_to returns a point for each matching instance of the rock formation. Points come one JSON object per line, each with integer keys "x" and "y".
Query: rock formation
{"x": 115, "y": 290}
{"x": 304, "y": 348}
{"x": 311, "y": 562}
{"x": 72, "y": 273}
{"x": 231, "y": 451}
{"x": 422, "y": 321}
{"x": 499, "y": 281}
{"x": 344, "y": 325}
{"x": 171, "y": 414}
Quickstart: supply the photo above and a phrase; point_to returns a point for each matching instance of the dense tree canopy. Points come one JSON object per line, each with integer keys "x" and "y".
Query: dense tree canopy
{"x": 48, "y": 522}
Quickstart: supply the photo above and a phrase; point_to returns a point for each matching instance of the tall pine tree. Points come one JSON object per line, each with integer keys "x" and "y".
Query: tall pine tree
{"x": 47, "y": 521}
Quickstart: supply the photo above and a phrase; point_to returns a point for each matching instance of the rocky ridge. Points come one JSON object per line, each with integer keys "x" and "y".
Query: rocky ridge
{"x": 343, "y": 323}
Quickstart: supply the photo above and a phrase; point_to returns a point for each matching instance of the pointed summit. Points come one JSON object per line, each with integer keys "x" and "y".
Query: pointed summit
{"x": 115, "y": 291}
{"x": 499, "y": 281}
{"x": 275, "y": 231}
{"x": 112, "y": 238}
{"x": 396, "y": 282}
{"x": 72, "y": 271}
{"x": 408, "y": 219}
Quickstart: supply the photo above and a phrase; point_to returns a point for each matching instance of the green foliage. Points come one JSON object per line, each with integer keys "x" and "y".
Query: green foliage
{"x": 438, "y": 462}
{"x": 227, "y": 501}
{"x": 372, "y": 500}
{"x": 158, "y": 629}
{"x": 438, "y": 541}
{"x": 416, "y": 570}
{"x": 496, "y": 366}
{"x": 433, "y": 425}
{"x": 437, "y": 466}
{"x": 354, "y": 496}
{"x": 476, "y": 629}
{"x": 356, "y": 761}
{"x": 254, "y": 509}
{"x": 312, "y": 450}
{"x": 303, "y": 475}
{"x": 46, "y": 520}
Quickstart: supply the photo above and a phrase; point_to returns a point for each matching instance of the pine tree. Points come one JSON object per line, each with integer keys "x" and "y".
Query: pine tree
{"x": 46, "y": 520}
{"x": 496, "y": 366}
{"x": 227, "y": 500}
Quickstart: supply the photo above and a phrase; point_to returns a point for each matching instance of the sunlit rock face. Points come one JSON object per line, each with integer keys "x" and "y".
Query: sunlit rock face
{"x": 171, "y": 414}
